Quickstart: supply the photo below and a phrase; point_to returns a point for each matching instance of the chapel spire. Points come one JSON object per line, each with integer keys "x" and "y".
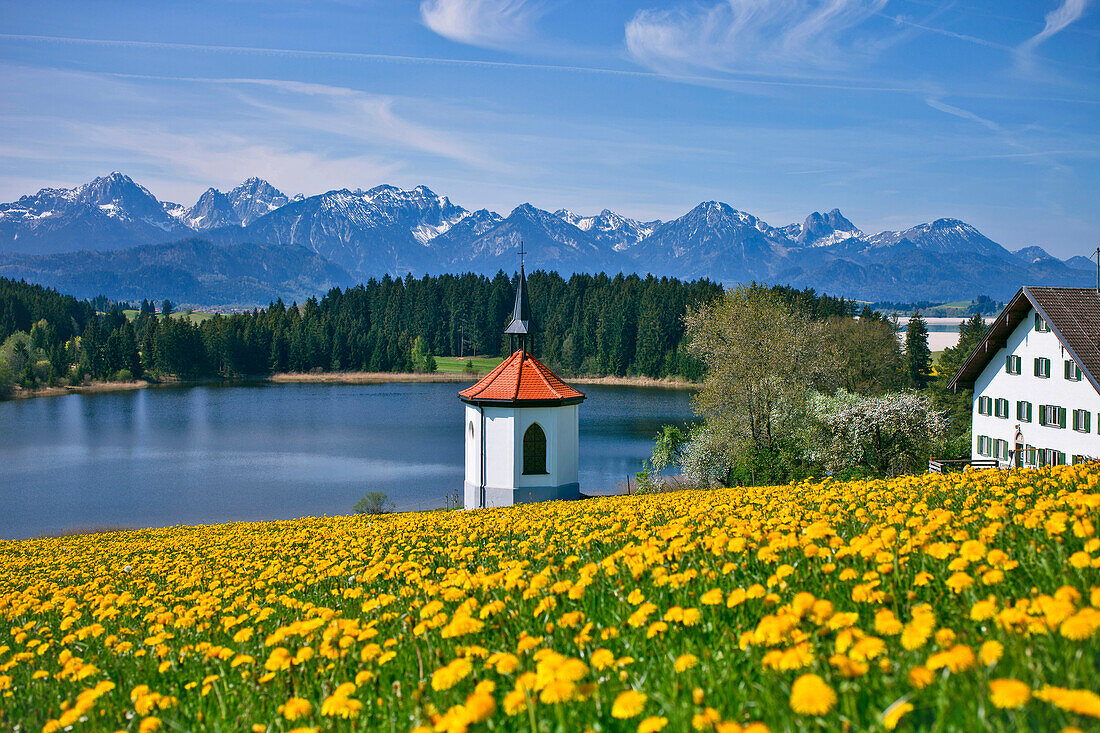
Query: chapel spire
{"x": 521, "y": 325}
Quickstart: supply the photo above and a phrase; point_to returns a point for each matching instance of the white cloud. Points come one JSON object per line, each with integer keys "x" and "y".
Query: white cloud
{"x": 488, "y": 23}
{"x": 1056, "y": 21}
{"x": 749, "y": 35}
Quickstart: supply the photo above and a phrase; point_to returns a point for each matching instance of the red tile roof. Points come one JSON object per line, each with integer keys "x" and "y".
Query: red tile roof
{"x": 521, "y": 378}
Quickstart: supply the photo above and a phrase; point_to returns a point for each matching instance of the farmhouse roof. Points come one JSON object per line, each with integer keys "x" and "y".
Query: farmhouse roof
{"x": 1073, "y": 315}
{"x": 521, "y": 379}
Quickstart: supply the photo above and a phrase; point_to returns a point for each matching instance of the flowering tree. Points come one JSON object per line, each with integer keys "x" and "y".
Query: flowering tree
{"x": 889, "y": 434}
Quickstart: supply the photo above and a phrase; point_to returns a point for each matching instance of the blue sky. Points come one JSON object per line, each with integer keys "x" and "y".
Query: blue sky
{"x": 897, "y": 112}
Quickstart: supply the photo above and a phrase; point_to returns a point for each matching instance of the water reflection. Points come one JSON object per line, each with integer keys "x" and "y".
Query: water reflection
{"x": 255, "y": 452}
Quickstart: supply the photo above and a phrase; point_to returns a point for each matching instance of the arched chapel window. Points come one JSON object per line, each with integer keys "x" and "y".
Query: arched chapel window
{"x": 534, "y": 450}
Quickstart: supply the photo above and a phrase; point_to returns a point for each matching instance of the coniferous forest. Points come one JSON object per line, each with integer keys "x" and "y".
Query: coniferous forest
{"x": 588, "y": 324}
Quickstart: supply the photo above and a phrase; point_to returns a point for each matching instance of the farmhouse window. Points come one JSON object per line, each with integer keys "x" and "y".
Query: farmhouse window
{"x": 1012, "y": 364}
{"x": 1042, "y": 367}
{"x": 1001, "y": 407}
{"x": 1023, "y": 411}
{"x": 1052, "y": 416}
{"x": 1040, "y": 324}
{"x": 1082, "y": 420}
{"x": 1073, "y": 372}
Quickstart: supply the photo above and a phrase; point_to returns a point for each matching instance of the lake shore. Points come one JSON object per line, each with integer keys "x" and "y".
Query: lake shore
{"x": 382, "y": 377}
{"x": 94, "y": 388}
{"x": 336, "y": 378}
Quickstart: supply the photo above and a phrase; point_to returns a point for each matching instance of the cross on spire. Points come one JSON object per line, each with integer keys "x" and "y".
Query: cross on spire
{"x": 521, "y": 326}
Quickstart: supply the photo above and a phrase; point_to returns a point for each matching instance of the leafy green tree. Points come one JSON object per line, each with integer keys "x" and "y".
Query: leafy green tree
{"x": 764, "y": 356}
{"x": 870, "y": 357}
{"x": 373, "y": 503}
{"x": 668, "y": 447}
{"x": 421, "y": 356}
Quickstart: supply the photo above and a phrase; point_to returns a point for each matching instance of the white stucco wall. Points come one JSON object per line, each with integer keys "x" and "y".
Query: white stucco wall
{"x": 505, "y": 482}
{"x": 995, "y": 382}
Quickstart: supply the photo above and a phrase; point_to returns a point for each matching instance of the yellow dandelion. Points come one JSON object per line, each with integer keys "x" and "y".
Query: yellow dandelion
{"x": 1008, "y": 693}
{"x": 811, "y": 695}
{"x": 893, "y": 715}
{"x": 652, "y": 724}
{"x": 628, "y": 704}
{"x": 295, "y": 708}
{"x": 685, "y": 662}
{"x": 991, "y": 652}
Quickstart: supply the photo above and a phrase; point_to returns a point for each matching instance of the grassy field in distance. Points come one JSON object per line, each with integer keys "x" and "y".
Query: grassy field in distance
{"x": 195, "y": 316}
{"x": 457, "y": 364}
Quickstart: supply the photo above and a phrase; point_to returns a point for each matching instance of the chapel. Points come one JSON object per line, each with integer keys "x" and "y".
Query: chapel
{"x": 521, "y": 425}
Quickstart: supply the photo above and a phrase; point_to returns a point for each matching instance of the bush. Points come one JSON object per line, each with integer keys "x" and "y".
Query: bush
{"x": 374, "y": 502}
{"x": 124, "y": 375}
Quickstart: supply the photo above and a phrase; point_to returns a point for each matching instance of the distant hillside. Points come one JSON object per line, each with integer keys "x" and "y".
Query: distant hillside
{"x": 369, "y": 233}
{"x": 189, "y": 272}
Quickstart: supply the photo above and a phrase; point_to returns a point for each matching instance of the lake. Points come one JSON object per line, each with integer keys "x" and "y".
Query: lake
{"x": 196, "y": 455}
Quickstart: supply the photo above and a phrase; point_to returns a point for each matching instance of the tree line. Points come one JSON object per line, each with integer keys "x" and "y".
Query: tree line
{"x": 592, "y": 324}
{"x": 791, "y": 392}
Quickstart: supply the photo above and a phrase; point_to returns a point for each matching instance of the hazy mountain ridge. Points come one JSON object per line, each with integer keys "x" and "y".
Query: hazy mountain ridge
{"x": 191, "y": 272}
{"x": 390, "y": 230}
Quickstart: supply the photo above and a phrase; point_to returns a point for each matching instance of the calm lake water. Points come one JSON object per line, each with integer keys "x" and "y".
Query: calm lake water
{"x": 196, "y": 455}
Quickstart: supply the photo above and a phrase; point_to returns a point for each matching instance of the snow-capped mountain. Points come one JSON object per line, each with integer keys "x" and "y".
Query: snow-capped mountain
{"x": 110, "y": 212}
{"x": 254, "y": 198}
{"x": 822, "y": 230}
{"x": 609, "y": 228}
{"x": 552, "y": 243}
{"x": 387, "y": 229}
{"x": 942, "y": 235}
{"x": 212, "y": 210}
{"x": 240, "y": 207}
{"x": 384, "y": 229}
{"x": 713, "y": 238}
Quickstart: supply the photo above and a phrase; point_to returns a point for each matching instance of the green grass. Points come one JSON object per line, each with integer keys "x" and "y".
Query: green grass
{"x": 194, "y": 317}
{"x": 457, "y": 365}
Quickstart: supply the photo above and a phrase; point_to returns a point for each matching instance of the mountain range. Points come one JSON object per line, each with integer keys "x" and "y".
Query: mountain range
{"x": 113, "y": 236}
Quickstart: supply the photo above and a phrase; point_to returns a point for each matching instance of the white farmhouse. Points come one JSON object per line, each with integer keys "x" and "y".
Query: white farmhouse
{"x": 521, "y": 426}
{"x": 1036, "y": 394}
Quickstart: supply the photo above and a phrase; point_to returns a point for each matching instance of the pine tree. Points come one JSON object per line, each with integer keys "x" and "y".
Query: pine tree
{"x": 918, "y": 356}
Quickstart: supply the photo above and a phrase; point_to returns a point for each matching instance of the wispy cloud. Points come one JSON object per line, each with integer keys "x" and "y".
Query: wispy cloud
{"x": 750, "y": 35}
{"x": 301, "y": 135}
{"x": 487, "y": 23}
{"x": 1056, "y": 21}
{"x": 1008, "y": 137}
{"x": 312, "y": 54}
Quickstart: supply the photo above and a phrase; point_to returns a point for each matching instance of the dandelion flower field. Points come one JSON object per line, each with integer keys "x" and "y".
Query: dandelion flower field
{"x": 960, "y": 602}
